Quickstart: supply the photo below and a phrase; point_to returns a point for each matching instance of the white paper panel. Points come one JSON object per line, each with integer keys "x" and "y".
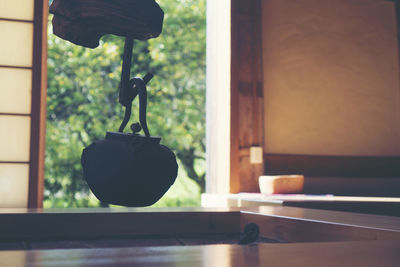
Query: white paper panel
{"x": 14, "y": 138}
{"x": 14, "y": 185}
{"x": 15, "y": 90}
{"x": 16, "y": 9}
{"x": 331, "y": 77}
{"x": 16, "y": 44}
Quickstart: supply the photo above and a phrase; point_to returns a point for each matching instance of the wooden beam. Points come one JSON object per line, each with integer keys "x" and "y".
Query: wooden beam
{"x": 397, "y": 6}
{"x": 344, "y": 166}
{"x": 340, "y": 175}
{"x": 246, "y": 94}
{"x": 38, "y": 119}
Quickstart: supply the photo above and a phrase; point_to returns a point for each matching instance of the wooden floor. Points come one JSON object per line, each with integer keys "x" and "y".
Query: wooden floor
{"x": 146, "y": 241}
{"x": 355, "y": 253}
{"x": 197, "y": 237}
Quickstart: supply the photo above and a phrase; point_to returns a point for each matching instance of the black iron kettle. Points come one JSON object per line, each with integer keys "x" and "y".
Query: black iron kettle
{"x": 127, "y": 168}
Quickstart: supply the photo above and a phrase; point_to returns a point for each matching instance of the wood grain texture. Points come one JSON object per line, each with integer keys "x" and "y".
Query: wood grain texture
{"x": 246, "y": 94}
{"x": 376, "y": 253}
{"x": 83, "y": 22}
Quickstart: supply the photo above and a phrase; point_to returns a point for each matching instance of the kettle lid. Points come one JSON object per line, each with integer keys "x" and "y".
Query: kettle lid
{"x": 128, "y": 137}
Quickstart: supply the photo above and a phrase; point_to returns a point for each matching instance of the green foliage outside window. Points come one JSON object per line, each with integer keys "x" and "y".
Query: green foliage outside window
{"x": 82, "y": 103}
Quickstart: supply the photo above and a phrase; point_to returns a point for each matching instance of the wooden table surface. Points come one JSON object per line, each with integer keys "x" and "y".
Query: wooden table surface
{"x": 369, "y": 205}
{"x": 355, "y": 253}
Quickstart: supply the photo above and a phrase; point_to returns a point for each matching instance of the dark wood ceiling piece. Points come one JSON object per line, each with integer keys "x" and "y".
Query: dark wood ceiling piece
{"x": 84, "y": 22}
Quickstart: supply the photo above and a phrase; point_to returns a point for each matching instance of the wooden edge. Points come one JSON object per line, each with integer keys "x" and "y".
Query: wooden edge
{"x": 64, "y": 226}
{"x": 38, "y": 119}
{"x": 285, "y": 224}
{"x": 16, "y": 67}
{"x": 258, "y": 90}
{"x": 234, "y": 150}
{"x": 324, "y": 216}
{"x": 16, "y": 20}
{"x": 352, "y": 186}
{"x": 292, "y": 230}
{"x": 345, "y": 166}
{"x": 397, "y": 7}
{"x": 368, "y": 207}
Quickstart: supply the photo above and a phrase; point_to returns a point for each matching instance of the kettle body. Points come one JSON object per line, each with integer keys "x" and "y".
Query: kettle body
{"x": 129, "y": 169}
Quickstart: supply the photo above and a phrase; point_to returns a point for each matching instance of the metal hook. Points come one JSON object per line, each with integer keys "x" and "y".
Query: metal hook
{"x": 130, "y": 88}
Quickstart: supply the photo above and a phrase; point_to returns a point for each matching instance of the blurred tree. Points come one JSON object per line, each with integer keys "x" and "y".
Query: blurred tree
{"x": 82, "y": 101}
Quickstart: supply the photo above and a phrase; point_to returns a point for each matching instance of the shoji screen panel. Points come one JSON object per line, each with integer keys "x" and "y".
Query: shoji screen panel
{"x": 14, "y": 185}
{"x": 16, "y": 90}
{"x": 22, "y": 101}
{"x": 16, "y": 49}
{"x": 17, "y": 9}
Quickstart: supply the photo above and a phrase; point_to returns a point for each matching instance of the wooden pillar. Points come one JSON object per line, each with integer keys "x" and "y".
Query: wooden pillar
{"x": 246, "y": 95}
{"x": 38, "y": 113}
